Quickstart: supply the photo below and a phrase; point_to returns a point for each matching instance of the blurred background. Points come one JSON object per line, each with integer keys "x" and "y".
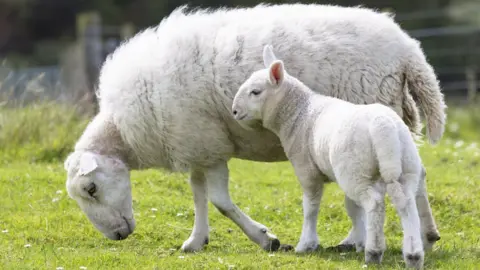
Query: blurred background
{"x": 51, "y": 52}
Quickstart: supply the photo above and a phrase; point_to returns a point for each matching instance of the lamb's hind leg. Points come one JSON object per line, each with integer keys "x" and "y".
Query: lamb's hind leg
{"x": 403, "y": 198}
{"x": 372, "y": 199}
{"x": 430, "y": 234}
{"x": 199, "y": 236}
{"x": 217, "y": 182}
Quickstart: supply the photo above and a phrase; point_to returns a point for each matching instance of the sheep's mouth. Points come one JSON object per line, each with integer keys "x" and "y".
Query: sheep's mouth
{"x": 128, "y": 225}
{"x": 123, "y": 233}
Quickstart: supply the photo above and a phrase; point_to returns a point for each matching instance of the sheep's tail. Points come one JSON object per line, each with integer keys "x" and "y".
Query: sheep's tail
{"x": 387, "y": 146}
{"x": 425, "y": 89}
{"x": 411, "y": 116}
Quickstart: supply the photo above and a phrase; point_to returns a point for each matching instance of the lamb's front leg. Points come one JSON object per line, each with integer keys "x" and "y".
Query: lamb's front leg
{"x": 217, "y": 182}
{"x": 199, "y": 236}
{"x": 312, "y": 195}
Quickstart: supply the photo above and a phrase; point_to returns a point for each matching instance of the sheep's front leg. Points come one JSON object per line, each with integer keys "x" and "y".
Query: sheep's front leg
{"x": 217, "y": 182}
{"x": 199, "y": 236}
{"x": 430, "y": 234}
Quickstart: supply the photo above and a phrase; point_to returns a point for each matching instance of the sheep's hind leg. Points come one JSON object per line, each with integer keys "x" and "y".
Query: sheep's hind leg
{"x": 356, "y": 237}
{"x": 217, "y": 182}
{"x": 430, "y": 234}
{"x": 199, "y": 236}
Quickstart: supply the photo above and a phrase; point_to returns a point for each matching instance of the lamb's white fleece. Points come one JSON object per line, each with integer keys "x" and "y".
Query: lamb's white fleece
{"x": 366, "y": 149}
{"x": 166, "y": 95}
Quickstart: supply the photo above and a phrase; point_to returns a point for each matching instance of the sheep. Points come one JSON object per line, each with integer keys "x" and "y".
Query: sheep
{"x": 165, "y": 98}
{"x": 366, "y": 149}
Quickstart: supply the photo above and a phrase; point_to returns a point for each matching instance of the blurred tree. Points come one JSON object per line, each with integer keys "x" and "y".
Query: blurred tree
{"x": 26, "y": 23}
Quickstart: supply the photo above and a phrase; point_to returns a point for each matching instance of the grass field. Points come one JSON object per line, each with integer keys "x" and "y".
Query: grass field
{"x": 42, "y": 228}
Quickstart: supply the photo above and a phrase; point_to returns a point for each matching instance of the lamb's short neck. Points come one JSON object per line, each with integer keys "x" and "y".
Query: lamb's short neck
{"x": 102, "y": 137}
{"x": 283, "y": 110}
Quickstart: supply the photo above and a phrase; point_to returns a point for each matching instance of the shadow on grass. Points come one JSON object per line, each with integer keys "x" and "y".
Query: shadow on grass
{"x": 392, "y": 259}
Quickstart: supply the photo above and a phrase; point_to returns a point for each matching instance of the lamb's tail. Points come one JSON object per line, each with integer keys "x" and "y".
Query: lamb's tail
{"x": 387, "y": 146}
{"x": 425, "y": 88}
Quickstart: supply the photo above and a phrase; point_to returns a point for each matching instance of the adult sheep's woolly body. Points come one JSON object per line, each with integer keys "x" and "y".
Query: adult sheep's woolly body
{"x": 170, "y": 88}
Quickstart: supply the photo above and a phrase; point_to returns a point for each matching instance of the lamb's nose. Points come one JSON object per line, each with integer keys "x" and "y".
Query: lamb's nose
{"x": 235, "y": 112}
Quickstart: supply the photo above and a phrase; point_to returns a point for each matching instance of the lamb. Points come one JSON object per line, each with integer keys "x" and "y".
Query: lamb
{"x": 165, "y": 100}
{"x": 366, "y": 149}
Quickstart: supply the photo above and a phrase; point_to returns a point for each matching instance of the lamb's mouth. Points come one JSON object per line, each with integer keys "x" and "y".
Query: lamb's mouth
{"x": 242, "y": 117}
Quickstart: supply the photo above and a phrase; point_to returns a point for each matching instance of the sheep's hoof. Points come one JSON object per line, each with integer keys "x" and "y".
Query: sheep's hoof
{"x": 273, "y": 245}
{"x": 342, "y": 248}
{"x": 414, "y": 260}
{"x": 373, "y": 256}
{"x": 286, "y": 248}
{"x": 194, "y": 244}
{"x": 430, "y": 239}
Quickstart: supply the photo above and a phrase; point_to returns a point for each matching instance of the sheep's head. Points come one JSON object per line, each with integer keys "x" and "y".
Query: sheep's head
{"x": 250, "y": 99}
{"x": 101, "y": 187}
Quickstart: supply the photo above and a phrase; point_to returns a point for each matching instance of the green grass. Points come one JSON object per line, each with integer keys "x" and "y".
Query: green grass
{"x": 42, "y": 228}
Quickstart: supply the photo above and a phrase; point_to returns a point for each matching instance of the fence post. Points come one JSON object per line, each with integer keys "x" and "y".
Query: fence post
{"x": 471, "y": 76}
{"x": 89, "y": 31}
{"x": 127, "y": 30}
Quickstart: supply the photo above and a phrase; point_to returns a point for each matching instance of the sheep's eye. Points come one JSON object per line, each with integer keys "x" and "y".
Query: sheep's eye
{"x": 255, "y": 92}
{"x": 91, "y": 189}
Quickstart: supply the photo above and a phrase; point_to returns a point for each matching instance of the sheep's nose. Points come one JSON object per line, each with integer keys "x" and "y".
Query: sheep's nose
{"x": 235, "y": 112}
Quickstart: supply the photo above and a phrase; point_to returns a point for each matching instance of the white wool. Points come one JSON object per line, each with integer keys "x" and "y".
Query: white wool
{"x": 166, "y": 94}
{"x": 169, "y": 88}
{"x": 367, "y": 149}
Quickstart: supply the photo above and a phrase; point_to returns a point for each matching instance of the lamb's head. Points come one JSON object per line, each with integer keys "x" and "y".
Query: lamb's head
{"x": 249, "y": 102}
{"x": 101, "y": 187}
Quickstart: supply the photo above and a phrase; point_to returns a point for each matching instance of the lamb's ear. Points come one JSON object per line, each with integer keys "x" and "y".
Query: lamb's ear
{"x": 268, "y": 55}
{"x": 276, "y": 72}
{"x": 88, "y": 164}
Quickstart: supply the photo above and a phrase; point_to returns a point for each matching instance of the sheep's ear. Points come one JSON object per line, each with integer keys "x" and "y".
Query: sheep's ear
{"x": 268, "y": 55}
{"x": 66, "y": 164}
{"x": 276, "y": 72}
{"x": 88, "y": 164}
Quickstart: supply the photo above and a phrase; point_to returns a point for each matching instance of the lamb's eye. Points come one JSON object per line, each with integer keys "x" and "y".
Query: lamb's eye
{"x": 255, "y": 92}
{"x": 91, "y": 189}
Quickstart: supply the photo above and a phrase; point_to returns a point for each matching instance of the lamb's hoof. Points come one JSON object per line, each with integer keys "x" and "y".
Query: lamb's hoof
{"x": 342, "y": 248}
{"x": 286, "y": 248}
{"x": 373, "y": 256}
{"x": 430, "y": 239}
{"x": 194, "y": 244}
{"x": 307, "y": 247}
{"x": 273, "y": 245}
{"x": 414, "y": 260}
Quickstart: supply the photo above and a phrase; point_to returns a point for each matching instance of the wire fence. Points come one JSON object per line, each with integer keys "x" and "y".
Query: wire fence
{"x": 455, "y": 63}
